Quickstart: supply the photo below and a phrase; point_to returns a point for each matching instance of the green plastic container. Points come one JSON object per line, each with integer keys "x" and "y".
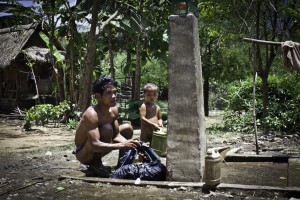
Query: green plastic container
{"x": 159, "y": 141}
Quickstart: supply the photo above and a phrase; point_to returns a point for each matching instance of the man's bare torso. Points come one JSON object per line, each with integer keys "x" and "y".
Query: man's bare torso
{"x": 93, "y": 118}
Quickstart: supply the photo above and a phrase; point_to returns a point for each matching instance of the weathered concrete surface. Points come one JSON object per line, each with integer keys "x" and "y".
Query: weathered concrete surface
{"x": 186, "y": 140}
{"x": 232, "y": 155}
{"x": 294, "y": 172}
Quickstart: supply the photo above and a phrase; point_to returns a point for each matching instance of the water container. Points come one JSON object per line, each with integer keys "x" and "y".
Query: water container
{"x": 212, "y": 167}
{"x": 159, "y": 141}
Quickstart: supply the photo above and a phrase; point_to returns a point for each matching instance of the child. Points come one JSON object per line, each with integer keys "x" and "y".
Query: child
{"x": 150, "y": 113}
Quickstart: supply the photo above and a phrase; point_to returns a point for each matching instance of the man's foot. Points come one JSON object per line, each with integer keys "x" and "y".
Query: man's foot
{"x": 100, "y": 171}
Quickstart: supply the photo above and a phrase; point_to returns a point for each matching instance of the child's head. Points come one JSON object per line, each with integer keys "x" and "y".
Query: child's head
{"x": 102, "y": 84}
{"x": 150, "y": 86}
{"x": 150, "y": 93}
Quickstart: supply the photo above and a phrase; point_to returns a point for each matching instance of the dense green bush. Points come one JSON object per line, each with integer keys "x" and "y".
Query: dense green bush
{"x": 41, "y": 114}
{"x": 217, "y": 93}
{"x": 283, "y": 109}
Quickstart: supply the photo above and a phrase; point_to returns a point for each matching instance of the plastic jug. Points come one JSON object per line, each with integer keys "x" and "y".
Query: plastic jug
{"x": 212, "y": 167}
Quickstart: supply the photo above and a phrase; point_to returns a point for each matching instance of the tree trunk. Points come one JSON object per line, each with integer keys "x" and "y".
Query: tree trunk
{"x": 86, "y": 83}
{"x": 265, "y": 91}
{"x": 206, "y": 96}
{"x": 137, "y": 74}
{"x": 133, "y": 85}
{"x": 270, "y": 54}
{"x": 65, "y": 84}
{"x": 71, "y": 74}
{"x": 111, "y": 54}
{"x": 73, "y": 99}
{"x": 138, "y": 67}
{"x": 58, "y": 75}
{"x": 59, "y": 85}
{"x": 131, "y": 74}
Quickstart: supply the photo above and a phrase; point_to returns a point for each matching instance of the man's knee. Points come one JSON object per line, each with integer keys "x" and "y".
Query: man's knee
{"x": 107, "y": 128}
{"x": 126, "y": 131}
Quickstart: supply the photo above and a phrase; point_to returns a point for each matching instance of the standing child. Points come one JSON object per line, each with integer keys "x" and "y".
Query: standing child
{"x": 150, "y": 113}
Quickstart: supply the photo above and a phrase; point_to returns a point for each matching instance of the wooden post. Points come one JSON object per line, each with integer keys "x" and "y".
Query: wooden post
{"x": 254, "y": 99}
{"x": 36, "y": 87}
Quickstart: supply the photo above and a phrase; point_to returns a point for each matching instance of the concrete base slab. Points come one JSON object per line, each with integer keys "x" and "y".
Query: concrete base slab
{"x": 233, "y": 156}
{"x": 294, "y": 172}
{"x": 294, "y": 191}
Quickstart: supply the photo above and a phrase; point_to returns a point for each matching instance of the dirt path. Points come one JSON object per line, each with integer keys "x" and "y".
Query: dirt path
{"x": 32, "y": 163}
{"x": 14, "y": 139}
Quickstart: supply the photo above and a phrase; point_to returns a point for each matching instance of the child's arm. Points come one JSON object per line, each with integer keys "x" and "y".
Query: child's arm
{"x": 144, "y": 119}
{"x": 160, "y": 121}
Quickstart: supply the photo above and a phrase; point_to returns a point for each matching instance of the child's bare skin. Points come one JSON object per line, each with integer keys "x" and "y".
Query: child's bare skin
{"x": 150, "y": 113}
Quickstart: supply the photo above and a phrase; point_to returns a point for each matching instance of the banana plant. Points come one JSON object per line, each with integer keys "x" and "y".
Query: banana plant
{"x": 59, "y": 58}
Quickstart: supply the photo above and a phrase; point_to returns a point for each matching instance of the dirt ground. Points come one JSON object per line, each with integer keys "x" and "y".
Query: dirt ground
{"x": 32, "y": 163}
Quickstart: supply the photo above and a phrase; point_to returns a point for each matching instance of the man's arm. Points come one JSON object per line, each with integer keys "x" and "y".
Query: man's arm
{"x": 103, "y": 147}
{"x": 90, "y": 126}
{"x": 117, "y": 135}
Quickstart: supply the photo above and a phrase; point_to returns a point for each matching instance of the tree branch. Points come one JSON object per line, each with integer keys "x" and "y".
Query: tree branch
{"x": 103, "y": 24}
{"x": 262, "y": 41}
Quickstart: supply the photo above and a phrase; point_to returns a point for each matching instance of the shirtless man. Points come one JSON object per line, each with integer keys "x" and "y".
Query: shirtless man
{"x": 98, "y": 131}
{"x": 150, "y": 113}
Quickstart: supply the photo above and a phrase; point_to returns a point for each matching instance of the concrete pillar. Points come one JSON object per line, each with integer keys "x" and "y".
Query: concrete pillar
{"x": 186, "y": 140}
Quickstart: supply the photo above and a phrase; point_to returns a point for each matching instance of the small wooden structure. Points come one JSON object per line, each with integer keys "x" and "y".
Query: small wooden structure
{"x": 24, "y": 55}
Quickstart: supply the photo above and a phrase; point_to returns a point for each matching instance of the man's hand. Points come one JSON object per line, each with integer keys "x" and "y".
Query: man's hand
{"x": 132, "y": 143}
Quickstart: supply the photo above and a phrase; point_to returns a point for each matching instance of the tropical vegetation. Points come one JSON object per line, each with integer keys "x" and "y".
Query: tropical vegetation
{"x": 128, "y": 40}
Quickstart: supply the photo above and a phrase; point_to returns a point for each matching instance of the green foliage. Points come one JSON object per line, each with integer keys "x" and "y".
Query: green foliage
{"x": 94, "y": 101}
{"x": 164, "y": 109}
{"x": 42, "y": 113}
{"x": 236, "y": 121}
{"x": 217, "y": 95}
{"x": 155, "y": 71}
{"x": 133, "y": 114}
{"x": 215, "y": 129}
{"x": 283, "y": 110}
{"x": 72, "y": 124}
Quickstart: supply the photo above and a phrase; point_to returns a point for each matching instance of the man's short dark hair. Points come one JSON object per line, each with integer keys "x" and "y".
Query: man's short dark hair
{"x": 100, "y": 84}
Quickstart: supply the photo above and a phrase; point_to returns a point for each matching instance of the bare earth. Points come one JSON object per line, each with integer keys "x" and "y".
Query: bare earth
{"x": 32, "y": 163}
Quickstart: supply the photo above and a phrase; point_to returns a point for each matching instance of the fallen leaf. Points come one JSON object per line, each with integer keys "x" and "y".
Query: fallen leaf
{"x": 60, "y": 188}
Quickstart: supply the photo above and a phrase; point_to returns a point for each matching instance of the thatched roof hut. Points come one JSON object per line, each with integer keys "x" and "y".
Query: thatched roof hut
{"x": 40, "y": 55}
{"x": 13, "y": 41}
{"x": 20, "y": 45}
